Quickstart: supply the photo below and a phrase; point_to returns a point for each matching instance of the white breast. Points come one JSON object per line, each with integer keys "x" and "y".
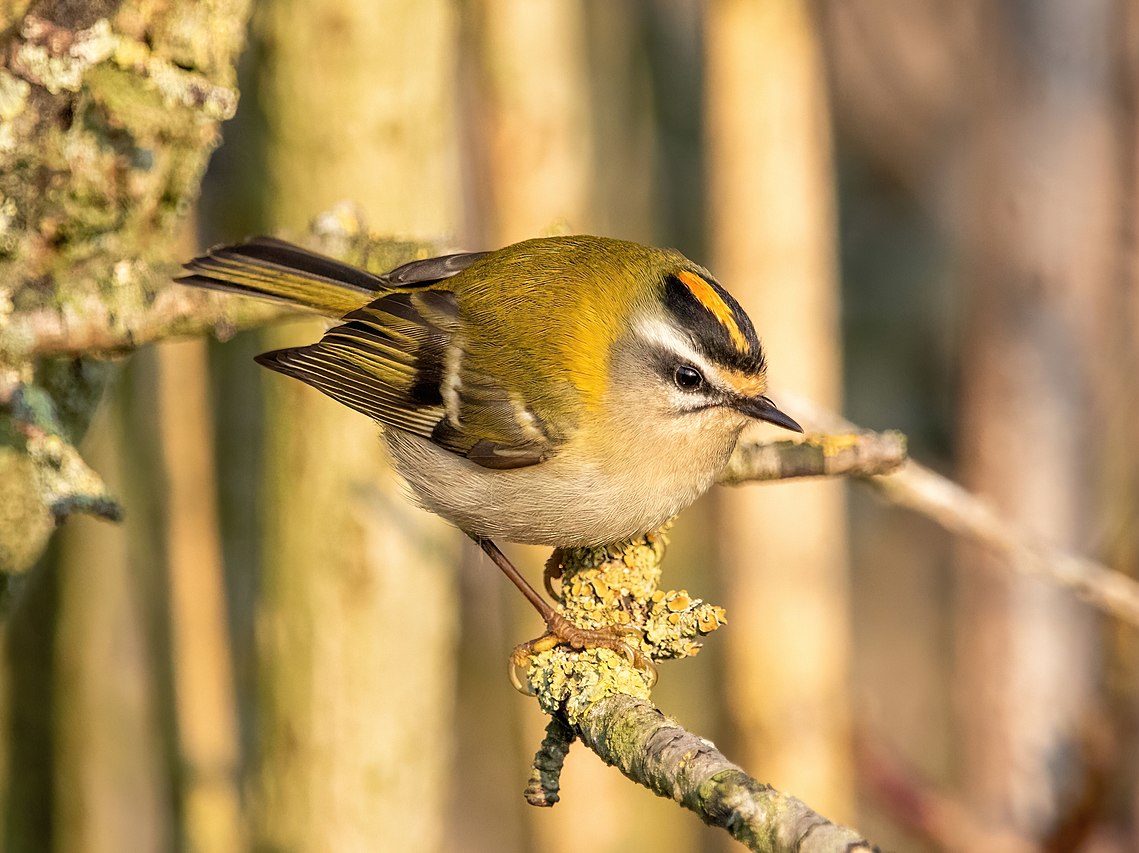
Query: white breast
{"x": 579, "y": 497}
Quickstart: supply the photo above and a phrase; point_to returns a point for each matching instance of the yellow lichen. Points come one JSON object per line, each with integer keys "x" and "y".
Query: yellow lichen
{"x": 832, "y": 445}
{"x": 573, "y": 681}
{"x": 617, "y": 585}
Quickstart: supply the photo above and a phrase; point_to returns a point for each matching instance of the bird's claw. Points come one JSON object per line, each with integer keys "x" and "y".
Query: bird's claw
{"x": 562, "y": 632}
{"x": 553, "y": 572}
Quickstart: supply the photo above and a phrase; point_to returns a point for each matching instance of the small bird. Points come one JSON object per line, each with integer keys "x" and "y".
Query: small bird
{"x": 565, "y": 391}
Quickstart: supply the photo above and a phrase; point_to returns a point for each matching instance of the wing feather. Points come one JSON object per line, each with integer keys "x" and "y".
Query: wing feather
{"x": 383, "y": 361}
{"x": 431, "y": 270}
{"x": 399, "y": 360}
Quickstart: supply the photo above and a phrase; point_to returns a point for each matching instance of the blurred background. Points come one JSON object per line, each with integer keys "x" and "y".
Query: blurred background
{"x": 929, "y": 209}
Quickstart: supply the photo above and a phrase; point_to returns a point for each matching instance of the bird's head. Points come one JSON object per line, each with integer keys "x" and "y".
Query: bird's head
{"x": 691, "y": 358}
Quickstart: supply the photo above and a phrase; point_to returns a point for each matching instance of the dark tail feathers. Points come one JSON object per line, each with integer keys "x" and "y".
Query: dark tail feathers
{"x": 274, "y": 269}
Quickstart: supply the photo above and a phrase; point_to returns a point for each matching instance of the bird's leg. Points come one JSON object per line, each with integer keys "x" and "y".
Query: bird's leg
{"x": 559, "y": 629}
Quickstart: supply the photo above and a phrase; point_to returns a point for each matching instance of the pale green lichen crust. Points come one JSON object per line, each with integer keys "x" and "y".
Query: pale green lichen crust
{"x": 42, "y": 476}
{"x": 617, "y": 585}
{"x": 108, "y": 113}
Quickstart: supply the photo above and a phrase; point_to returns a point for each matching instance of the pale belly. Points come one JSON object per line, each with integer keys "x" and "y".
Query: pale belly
{"x": 557, "y": 502}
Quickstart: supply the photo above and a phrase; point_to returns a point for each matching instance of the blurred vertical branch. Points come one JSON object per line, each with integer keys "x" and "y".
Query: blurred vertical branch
{"x": 355, "y": 625}
{"x": 532, "y": 126}
{"x": 622, "y": 118}
{"x": 202, "y": 671}
{"x": 1043, "y": 248}
{"x": 112, "y": 791}
{"x": 534, "y": 123}
{"x": 772, "y": 228}
{"x": 1119, "y": 395}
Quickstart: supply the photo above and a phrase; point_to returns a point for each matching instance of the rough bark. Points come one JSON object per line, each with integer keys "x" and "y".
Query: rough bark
{"x": 108, "y": 112}
{"x": 356, "y": 584}
{"x": 772, "y": 231}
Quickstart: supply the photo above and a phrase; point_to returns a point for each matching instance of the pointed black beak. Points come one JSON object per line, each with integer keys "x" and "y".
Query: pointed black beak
{"x": 763, "y": 409}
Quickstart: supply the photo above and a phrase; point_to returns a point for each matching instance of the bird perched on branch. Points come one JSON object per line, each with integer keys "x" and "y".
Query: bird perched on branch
{"x": 565, "y": 391}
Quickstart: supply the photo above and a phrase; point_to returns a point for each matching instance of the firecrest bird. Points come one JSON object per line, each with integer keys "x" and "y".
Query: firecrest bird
{"x": 562, "y": 391}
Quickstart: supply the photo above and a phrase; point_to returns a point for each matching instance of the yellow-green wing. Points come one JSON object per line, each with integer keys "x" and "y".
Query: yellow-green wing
{"x": 400, "y": 360}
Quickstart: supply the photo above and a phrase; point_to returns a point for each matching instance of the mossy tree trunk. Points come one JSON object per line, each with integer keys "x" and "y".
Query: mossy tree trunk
{"x": 356, "y": 619}
{"x": 108, "y": 112}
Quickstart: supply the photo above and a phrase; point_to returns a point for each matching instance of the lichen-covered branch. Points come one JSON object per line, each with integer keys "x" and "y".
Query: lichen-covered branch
{"x": 657, "y": 752}
{"x": 831, "y": 454}
{"x": 600, "y": 697}
{"x": 546, "y": 770}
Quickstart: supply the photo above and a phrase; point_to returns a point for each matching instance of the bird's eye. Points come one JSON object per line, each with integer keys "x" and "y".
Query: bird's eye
{"x": 687, "y": 378}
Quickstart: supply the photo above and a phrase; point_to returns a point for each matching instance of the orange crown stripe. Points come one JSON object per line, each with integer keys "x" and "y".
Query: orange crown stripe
{"x": 707, "y": 296}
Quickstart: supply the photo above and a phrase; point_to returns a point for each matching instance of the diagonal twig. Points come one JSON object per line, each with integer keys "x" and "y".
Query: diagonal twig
{"x": 962, "y": 513}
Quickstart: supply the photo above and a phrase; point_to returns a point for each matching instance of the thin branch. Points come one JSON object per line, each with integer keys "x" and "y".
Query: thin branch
{"x": 826, "y": 455}
{"x": 93, "y": 328}
{"x": 960, "y": 512}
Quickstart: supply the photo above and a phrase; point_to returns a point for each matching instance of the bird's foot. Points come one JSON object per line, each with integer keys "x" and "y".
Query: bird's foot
{"x": 562, "y": 632}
